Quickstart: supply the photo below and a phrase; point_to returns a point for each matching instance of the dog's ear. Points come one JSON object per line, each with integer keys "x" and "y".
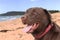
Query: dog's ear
{"x": 48, "y": 15}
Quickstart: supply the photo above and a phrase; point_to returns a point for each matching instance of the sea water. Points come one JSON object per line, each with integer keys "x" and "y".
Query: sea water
{"x": 4, "y": 18}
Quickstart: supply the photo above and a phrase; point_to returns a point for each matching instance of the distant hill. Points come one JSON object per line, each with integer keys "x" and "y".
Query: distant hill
{"x": 53, "y": 11}
{"x": 13, "y": 13}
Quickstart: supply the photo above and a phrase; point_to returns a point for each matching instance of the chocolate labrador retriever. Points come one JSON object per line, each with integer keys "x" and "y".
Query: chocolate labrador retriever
{"x": 39, "y": 24}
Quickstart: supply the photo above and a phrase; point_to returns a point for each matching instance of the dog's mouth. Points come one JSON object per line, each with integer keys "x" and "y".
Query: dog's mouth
{"x": 28, "y": 29}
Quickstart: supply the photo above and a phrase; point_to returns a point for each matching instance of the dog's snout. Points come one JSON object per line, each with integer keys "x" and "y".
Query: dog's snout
{"x": 23, "y": 18}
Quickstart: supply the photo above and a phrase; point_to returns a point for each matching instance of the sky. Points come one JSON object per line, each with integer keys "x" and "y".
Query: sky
{"x": 23, "y": 5}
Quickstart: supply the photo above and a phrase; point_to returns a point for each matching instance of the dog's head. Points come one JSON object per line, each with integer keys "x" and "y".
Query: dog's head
{"x": 37, "y": 19}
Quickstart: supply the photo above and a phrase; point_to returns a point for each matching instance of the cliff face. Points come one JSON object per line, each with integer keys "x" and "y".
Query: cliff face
{"x": 12, "y": 29}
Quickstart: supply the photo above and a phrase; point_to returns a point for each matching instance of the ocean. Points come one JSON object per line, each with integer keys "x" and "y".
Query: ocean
{"x": 4, "y": 18}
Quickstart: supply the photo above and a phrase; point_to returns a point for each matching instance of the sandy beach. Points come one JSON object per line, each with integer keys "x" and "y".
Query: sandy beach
{"x": 14, "y": 29}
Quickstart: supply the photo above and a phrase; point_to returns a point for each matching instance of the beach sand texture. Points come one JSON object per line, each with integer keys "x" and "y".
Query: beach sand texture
{"x": 14, "y": 29}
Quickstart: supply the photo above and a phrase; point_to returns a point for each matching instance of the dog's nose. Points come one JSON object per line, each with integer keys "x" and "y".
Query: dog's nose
{"x": 23, "y": 18}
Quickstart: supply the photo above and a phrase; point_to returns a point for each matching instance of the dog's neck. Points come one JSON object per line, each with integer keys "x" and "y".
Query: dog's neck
{"x": 41, "y": 34}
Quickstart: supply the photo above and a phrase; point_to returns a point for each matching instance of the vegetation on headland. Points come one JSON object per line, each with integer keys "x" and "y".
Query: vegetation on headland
{"x": 13, "y": 13}
{"x": 53, "y": 11}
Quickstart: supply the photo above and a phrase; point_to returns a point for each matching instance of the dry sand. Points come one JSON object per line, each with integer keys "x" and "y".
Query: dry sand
{"x": 56, "y": 18}
{"x": 14, "y": 32}
{"x": 15, "y": 27}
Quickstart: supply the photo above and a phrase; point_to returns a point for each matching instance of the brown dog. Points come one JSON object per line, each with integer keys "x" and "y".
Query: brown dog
{"x": 39, "y": 23}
